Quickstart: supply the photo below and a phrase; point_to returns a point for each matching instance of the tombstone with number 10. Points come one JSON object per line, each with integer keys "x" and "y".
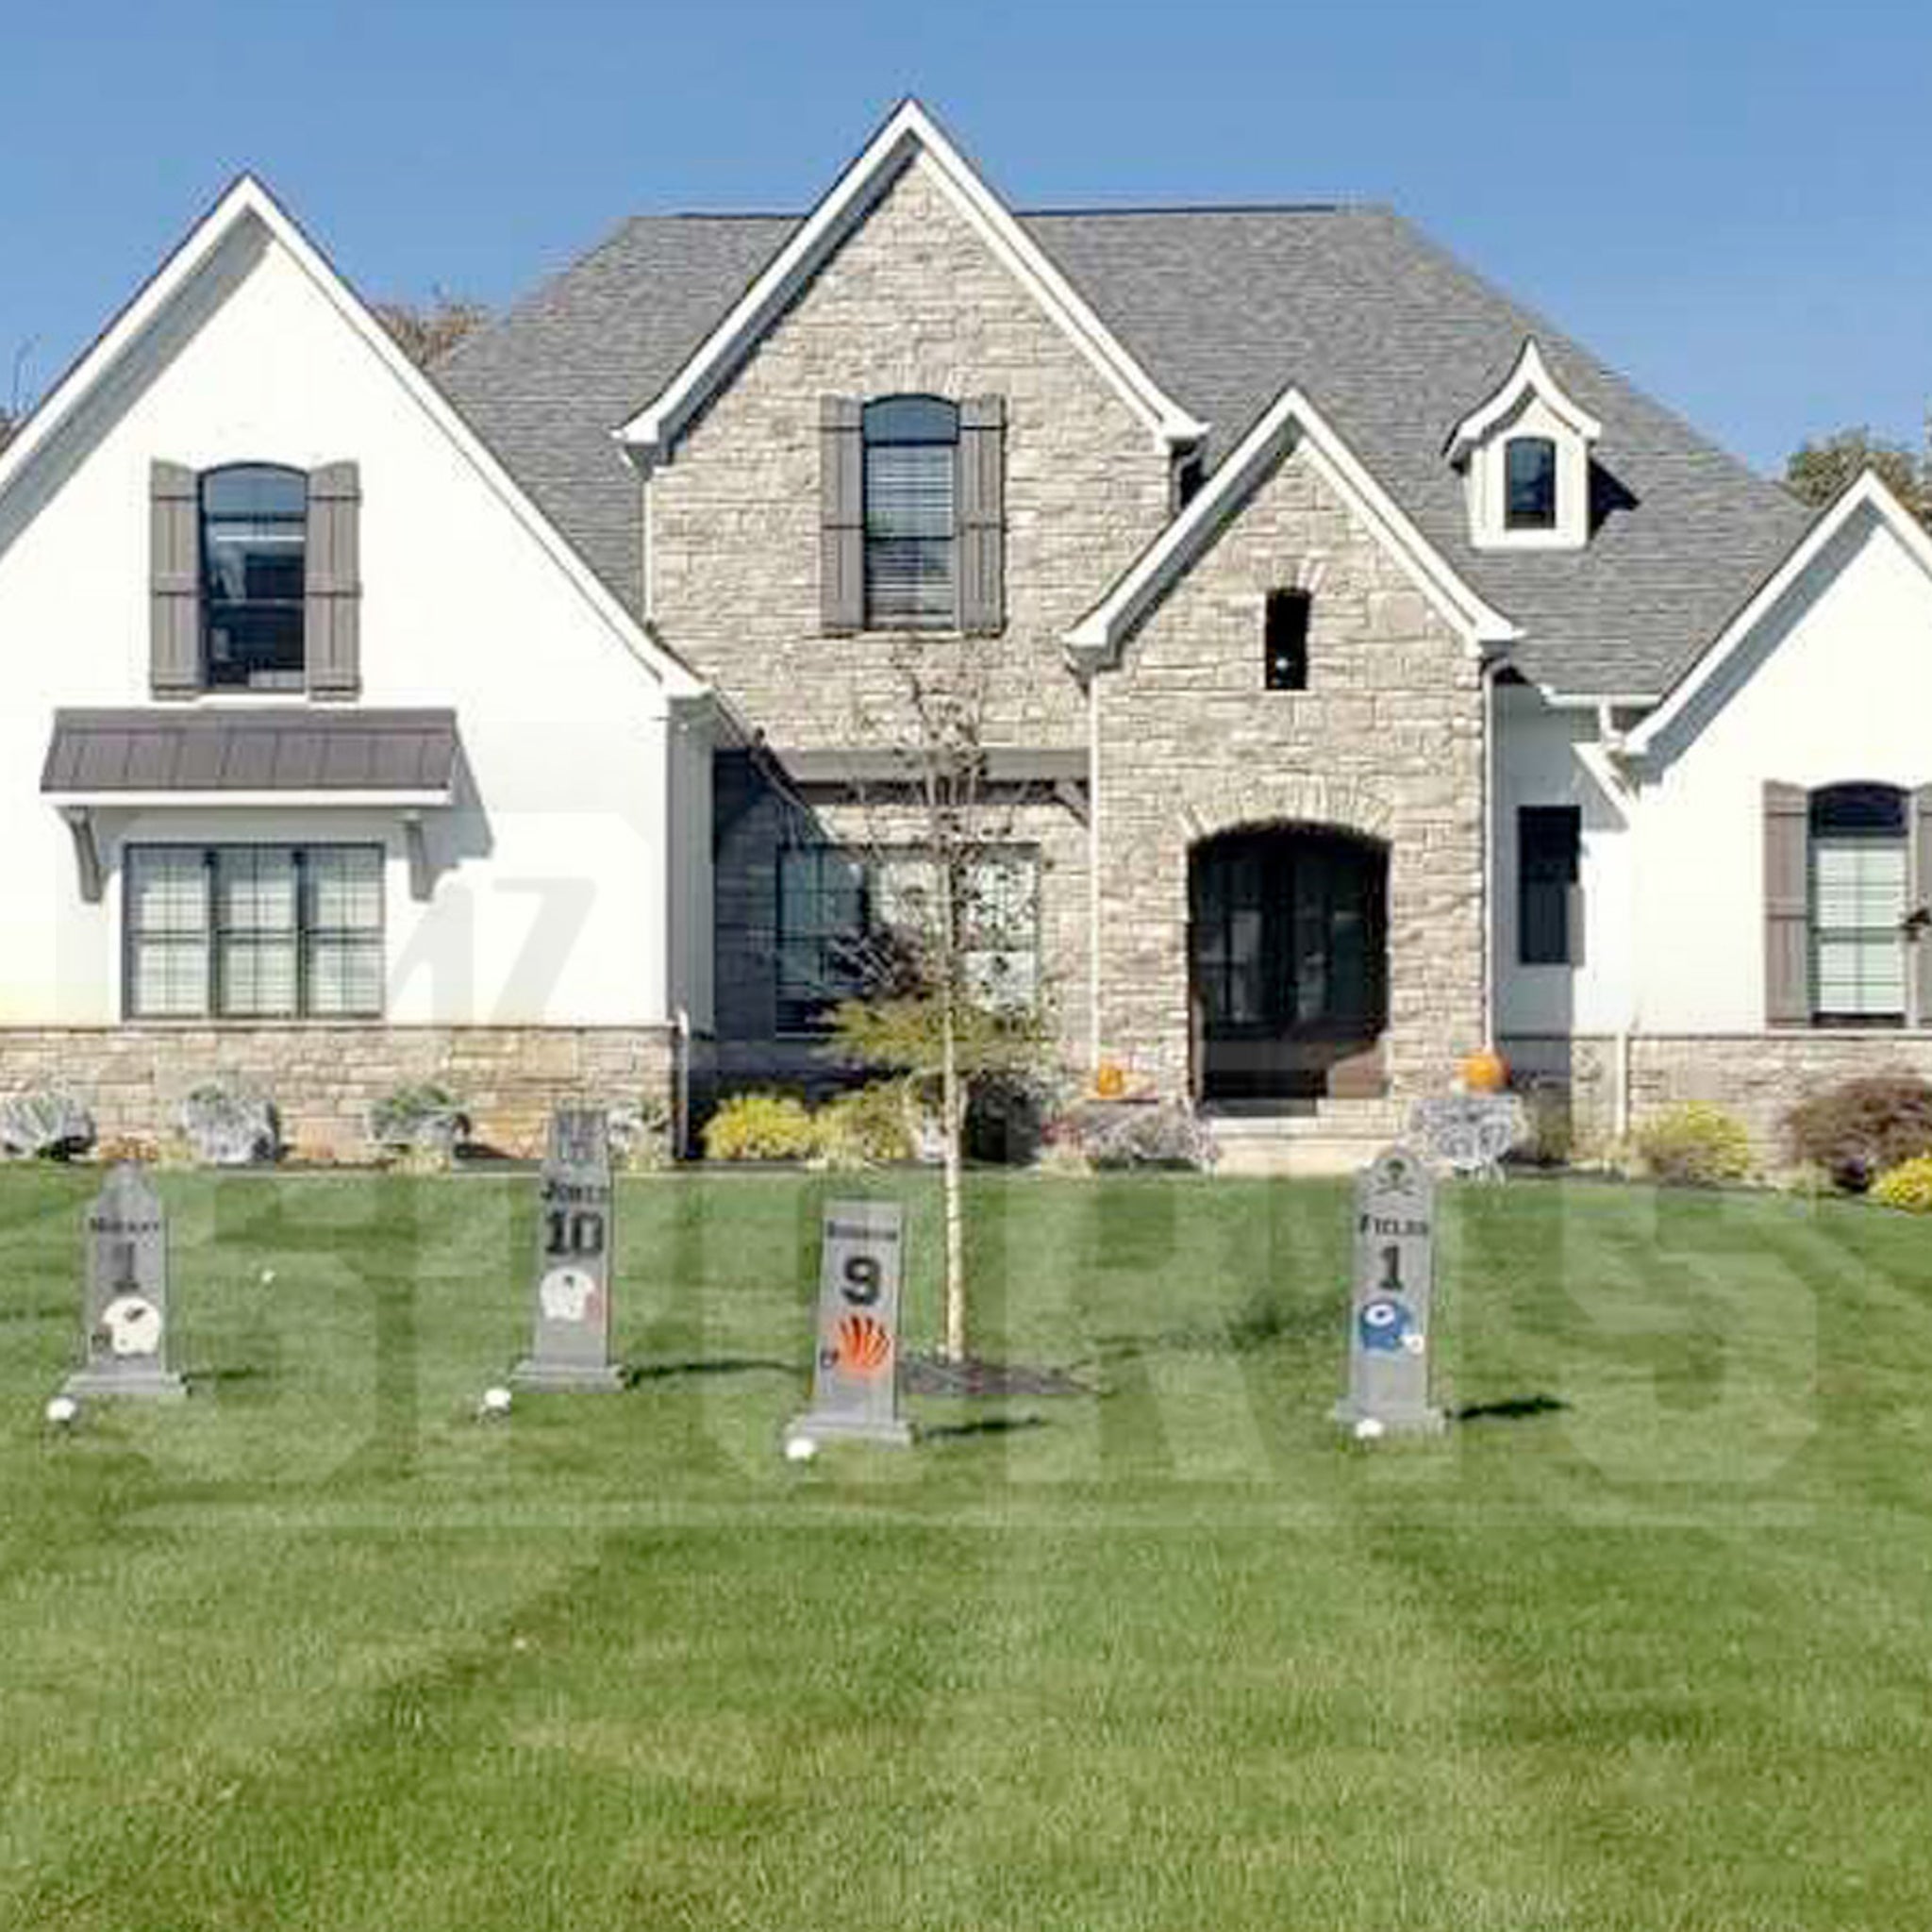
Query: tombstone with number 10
{"x": 855, "y": 1387}
{"x": 1391, "y": 1303}
{"x": 570, "y": 1345}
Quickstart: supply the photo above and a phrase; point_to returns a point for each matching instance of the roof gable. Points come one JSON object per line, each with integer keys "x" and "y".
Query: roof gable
{"x": 1098, "y": 638}
{"x": 908, "y": 134}
{"x": 248, "y": 203}
{"x": 1530, "y": 378}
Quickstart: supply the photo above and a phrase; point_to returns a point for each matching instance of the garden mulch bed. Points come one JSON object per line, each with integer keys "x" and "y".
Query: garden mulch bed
{"x": 926, "y": 1375}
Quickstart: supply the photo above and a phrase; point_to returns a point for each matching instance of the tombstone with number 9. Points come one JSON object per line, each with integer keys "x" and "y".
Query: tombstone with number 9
{"x": 855, "y": 1389}
{"x": 1392, "y": 1300}
{"x": 570, "y": 1345}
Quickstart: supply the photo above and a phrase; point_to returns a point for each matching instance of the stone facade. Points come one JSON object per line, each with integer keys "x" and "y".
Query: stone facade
{"x": 913, "y": 302}
{"x": 1386, "y": 744}
{"x": 323, "y": 1079}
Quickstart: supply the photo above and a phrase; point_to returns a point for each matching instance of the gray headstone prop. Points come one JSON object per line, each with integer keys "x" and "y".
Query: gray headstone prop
{"x": 1468, "y": 1133}
{"x": 126, "y": 1306}
{"x": 854, "y": 1387}
{"x": 576, "y": 1230}
{"x": 1389, "y": 1308}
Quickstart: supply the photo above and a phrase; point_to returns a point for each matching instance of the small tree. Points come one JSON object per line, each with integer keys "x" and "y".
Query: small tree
{"x": 427, "y": 332}
{"x": 1817, "y": 472}
{"x": 936, "y": 1008}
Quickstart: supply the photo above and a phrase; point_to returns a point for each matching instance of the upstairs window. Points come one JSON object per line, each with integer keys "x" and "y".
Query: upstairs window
{"x": 1285, "y": 641}
{"x": 1529, "y": 483}
{"x": 253, "y": 542}
{"x": 911, "y": 447}
{"x": 1549, "y": 839}
{"x": 1858, "y": 892}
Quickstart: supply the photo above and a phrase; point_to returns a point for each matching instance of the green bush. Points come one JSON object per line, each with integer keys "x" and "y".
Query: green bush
{"x": 1860, "y": 1127}
{"x": 1908, "y": 1185}
{"x": 866, "y": 1127}
{"x": 762, "y": 1127}
{"x": 1696, "y": 1145}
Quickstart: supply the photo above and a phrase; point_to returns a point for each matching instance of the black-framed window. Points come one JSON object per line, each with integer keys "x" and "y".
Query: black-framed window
{"x": 846, "y": 922}
{"x": 254, "y": 932}
{"x": 1860, "y": 887}
{"x": 254, "y": 541}
{"x": 1529, "y": 483}
{"x": 911, "y": 522}
{"x": 1549, "y": 843}
{"x": 1285, "y": 641}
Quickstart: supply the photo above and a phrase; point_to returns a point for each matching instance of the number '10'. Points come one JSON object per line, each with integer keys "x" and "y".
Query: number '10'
{"x": 572, "y": 1231}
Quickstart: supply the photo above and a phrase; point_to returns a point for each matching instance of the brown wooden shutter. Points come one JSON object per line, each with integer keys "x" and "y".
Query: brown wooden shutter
{"x": 1787, "y": 906}
{"x": 174, "y": 581}
{"x": 1921, "y": 899}
{"x": 983, "y": 515}
{"x": 332, "y": 616}
{"x": 841, "y": 516}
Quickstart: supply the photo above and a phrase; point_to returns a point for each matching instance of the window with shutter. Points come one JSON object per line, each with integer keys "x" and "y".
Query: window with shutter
{"x": 254, "y": 538}
{"x": 1860, "y": 879}
{"x": 911, "y": 455}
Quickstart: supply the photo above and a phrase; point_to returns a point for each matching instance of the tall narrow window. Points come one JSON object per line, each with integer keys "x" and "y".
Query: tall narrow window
{"x": 1529, "y": 483}
{"x": 254, "y": 537}
{"x": 1285, "y": 641}
{"x": 1549, "y": 839}
{"x": 1859, "y": 880}
{"x": 911, "y": 524}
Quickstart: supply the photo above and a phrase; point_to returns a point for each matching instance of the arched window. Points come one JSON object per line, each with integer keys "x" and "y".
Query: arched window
{"x": 911, "y": 487}
{"x": 1529, "y": 483}
{"x": 1858, "y": 892}
{"x": 254, "y": 536}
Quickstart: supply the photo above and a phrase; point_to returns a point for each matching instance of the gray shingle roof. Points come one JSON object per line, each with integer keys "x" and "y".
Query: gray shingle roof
{"x": 250, "y": 749}
{"x": 1393, "y": 340}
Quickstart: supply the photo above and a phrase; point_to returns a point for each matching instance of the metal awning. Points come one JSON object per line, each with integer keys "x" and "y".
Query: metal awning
{"x": 250, "y": 753}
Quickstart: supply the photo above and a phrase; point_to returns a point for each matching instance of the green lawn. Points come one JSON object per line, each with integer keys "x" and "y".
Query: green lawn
{"x": 1648, "y": 1644}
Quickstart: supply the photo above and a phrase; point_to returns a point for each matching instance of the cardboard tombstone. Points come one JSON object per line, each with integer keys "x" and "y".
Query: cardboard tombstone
{"x": 125, "y": 1305}
{"x": 1391, "y": 1304}
{"x": 855, "y": 1390}
{"x": 576, "y": 1230}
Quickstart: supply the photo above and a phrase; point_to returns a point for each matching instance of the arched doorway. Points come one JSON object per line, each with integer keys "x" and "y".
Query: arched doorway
{"x": 1289, "y": 964}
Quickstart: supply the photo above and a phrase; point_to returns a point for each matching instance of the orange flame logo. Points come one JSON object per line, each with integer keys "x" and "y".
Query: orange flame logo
{"x": 864, "y": 1345}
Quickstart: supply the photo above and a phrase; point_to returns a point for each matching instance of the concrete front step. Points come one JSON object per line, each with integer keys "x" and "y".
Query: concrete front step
{"x": 1332, "y": 1137}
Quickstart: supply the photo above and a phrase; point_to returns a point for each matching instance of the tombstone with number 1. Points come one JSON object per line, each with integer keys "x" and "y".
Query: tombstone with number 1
{"x": 855, "y": 1384}
{"x": 570, "y": 1347}
{"x": 1391, "y": 1302}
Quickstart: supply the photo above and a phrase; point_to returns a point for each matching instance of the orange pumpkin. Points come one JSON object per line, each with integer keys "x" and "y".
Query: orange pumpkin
{"x": 1484, "y": 1071}
{"x": 1109, "y": 1080}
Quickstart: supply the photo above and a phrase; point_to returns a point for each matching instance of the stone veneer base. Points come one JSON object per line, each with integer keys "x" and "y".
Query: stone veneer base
{"x": 323, "y": 1079}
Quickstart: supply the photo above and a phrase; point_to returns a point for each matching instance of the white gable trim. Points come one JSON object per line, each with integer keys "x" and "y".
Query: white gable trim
{"x": 1097, "y": 638}
{"x": 654, "y": 431}
{"x": 1530, "y": 376}
{"x": 1868, "y": 492}
{"x": 248, "y": 200}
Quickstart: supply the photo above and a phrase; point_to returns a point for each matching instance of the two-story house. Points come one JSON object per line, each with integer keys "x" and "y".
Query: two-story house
{"x": 1366, "y": 673}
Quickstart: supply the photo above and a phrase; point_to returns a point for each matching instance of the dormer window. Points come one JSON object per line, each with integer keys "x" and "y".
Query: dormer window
{"x": 1524, "y": 455}
{"x": 254, "y": 543}
{"x": 1529, "y": 483}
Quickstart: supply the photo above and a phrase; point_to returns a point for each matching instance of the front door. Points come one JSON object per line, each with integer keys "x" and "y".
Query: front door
{"x": 1288, "y": 955}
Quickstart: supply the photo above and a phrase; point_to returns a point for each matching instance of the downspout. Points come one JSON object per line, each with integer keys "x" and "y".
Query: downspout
{"x": 1094, "y": 954}
{"x": 1490, "y": 667}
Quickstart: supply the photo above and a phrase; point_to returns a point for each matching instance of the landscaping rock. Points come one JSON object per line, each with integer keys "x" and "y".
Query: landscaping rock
{"x": 229, "y": 1128}
{"x": 48, "y": 1125}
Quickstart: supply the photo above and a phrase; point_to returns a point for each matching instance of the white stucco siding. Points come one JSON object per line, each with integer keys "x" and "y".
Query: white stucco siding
{"x": 1537, "y": 764}
{"x": 552, "y": 902}
{"x": 1834, "y": 686}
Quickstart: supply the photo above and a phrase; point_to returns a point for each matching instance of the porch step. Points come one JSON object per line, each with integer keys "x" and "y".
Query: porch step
{"x": 1326, "y": 1137}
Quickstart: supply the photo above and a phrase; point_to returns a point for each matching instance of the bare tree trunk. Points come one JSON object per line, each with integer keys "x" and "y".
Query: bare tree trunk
{"x": 953, "y": 1112}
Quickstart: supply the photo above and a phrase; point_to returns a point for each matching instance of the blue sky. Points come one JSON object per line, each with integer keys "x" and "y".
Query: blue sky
{"x": 1728, "y": 199}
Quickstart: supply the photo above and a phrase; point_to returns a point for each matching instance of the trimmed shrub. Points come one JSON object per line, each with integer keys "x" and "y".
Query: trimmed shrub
{"x": 1165, "y": 1136}
{"x": 866, "y": 1127}
{"x": 228, "y": 1126}
{"x": 760, "y": 1126}
{"x": 425, "y": 1120}
{"x": 1696, "y": 1145}
{"x": 44, "y": 1124}
{"x": 1908, "y": 1186}
{"x": 1860, "y": 1127}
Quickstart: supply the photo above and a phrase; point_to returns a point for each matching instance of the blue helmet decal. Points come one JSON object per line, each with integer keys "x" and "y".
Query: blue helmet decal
{"x": 1387, "y": 1326}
